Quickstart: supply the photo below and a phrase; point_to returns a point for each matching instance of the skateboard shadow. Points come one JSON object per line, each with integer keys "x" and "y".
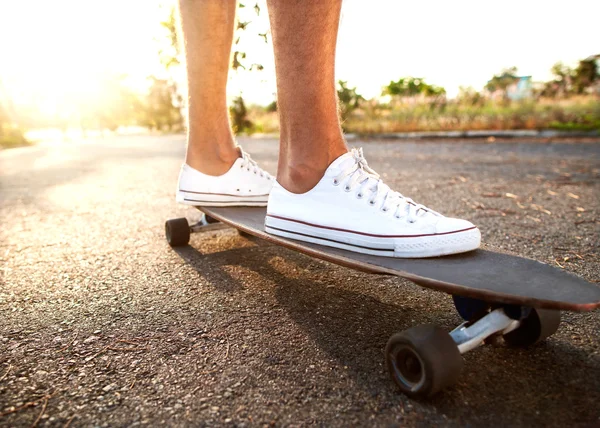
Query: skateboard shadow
{"x": 210, "y": 267}
{"x": 351, "y": 327}
{"x": 342, "y": 313}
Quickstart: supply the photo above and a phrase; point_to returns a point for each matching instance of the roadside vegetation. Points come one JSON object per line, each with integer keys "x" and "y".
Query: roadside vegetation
{"x": 569, "y": 101}
{"x": 579, "y": 113}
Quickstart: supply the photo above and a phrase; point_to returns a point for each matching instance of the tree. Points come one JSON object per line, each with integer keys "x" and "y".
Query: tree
{"x": 585, "y": 75}
{"x": 349, "y": 99}
{"x": 239, "y": 56}
{"x": 272, "y": 107}
{"x": 562, "y": 82}
{"x": 239, "y": 116}
{"x": 501, "y": 81}
{"x": 170, "y": 55}
{"x": 567, "y": 80}
{"x": 411, "y": 87}
{"x": 160, "y": 108}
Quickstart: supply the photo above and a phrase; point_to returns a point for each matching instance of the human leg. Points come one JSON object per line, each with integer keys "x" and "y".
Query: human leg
{"x": 216, "y": 171}
{"x": 325, "y": 194}
{"x": 208, "y": 27}
{"x": 304, "y": 39}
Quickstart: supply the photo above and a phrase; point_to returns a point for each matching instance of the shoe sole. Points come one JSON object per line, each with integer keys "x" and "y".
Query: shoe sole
{"x": 215, "y": 200}
{"x": 409, "y": 247}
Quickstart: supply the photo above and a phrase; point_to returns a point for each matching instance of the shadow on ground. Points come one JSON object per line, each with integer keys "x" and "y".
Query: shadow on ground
{"x": 352, "y": 329}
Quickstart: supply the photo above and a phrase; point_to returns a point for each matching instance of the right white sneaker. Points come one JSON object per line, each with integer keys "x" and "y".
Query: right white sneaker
{"x": 351, "y": 208}
{"x": 245, "y": 184}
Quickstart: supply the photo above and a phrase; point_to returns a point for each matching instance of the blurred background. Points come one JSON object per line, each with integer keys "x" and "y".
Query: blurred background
{"x": 72, "y": 69}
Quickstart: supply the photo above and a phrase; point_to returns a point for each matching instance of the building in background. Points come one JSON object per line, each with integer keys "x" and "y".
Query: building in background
{"x": 521, "y": 89}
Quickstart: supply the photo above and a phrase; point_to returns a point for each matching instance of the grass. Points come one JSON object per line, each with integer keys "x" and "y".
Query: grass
{"x": 576, "y": 113}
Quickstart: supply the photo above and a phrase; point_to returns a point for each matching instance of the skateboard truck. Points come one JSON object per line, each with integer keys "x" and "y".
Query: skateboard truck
{"x": 468, "y": 336}
{"x": 205, "y": 224}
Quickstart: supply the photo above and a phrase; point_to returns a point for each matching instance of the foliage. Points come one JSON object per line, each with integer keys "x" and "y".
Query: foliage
{"x": 585, "y": 75}
{"x": 240, "y": 56}
{"x": 264, "y": 119}
{"x": 272, "y": 107}
{"x": 582, "y": 113}
{"x": 170, "y": 55}
{"x": 469, "y": 96}
{"x": 349, "y": 99}
{"x": 567, "y": 81}
{"x": 501, "y": 81}
{"x": 162, "y": 105}
{"x": 562, "y": 73}
{"x": 561, "y": 83}
{"x": 160, "y": 109}
{"x": 412, "y": 86}
{"x": 239, "y": 116}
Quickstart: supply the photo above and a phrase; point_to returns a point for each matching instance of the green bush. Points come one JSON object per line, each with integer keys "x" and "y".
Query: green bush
{"x": 239, "y": 116}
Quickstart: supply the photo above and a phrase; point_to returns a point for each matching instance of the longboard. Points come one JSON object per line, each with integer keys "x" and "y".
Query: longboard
{"x": 480, "y": 274}
{"x": 497, "y": 294}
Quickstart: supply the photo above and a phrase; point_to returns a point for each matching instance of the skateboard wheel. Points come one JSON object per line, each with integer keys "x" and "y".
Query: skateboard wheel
{"x": 423, "y": 360}
{"x": 540, "y": 324}
{"x": 177, "y": 232}
{"x": 210, "y": 220}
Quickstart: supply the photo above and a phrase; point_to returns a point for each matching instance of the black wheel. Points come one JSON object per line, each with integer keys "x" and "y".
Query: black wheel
{"x": 423, "y": 360}
{"x": 177, "y": 232}
{"x": 470, "y": 309}
{"x": 540, "y": 324}
{"x": 210, "y": 220}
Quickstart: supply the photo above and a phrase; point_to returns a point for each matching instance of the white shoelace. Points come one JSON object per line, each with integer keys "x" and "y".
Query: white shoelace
{"x": 251, "y": 165}
{"x": 361, "y": 174}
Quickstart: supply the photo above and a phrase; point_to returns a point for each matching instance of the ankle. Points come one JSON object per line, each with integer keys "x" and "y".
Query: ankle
{"x": 302, "y": 177}
{"x": 212, "y": 159}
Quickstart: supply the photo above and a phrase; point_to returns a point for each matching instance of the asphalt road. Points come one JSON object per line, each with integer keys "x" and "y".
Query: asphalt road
{"x": 103, "y": 324}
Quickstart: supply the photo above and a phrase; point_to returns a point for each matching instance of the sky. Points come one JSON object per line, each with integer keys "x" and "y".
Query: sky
{"x": 459, "y": 42}
{"x": 50, "y": 48}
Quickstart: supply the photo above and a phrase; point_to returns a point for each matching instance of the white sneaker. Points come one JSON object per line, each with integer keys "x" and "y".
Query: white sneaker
{"x": 245, "y": 184}
{"x": 351, "y": 208}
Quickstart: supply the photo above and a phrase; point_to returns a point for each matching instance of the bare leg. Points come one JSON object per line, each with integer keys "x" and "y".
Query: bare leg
{"x": 304, "y": 39}
{"x": 208, "y": 27}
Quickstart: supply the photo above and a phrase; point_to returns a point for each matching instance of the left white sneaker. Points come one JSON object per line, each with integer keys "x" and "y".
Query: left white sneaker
{"x": 245, "y": 184}
{"x": 351, "y": 208}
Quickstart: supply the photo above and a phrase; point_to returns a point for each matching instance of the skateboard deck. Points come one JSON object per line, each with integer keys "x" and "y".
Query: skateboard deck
{"x": 481, "y": 274}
